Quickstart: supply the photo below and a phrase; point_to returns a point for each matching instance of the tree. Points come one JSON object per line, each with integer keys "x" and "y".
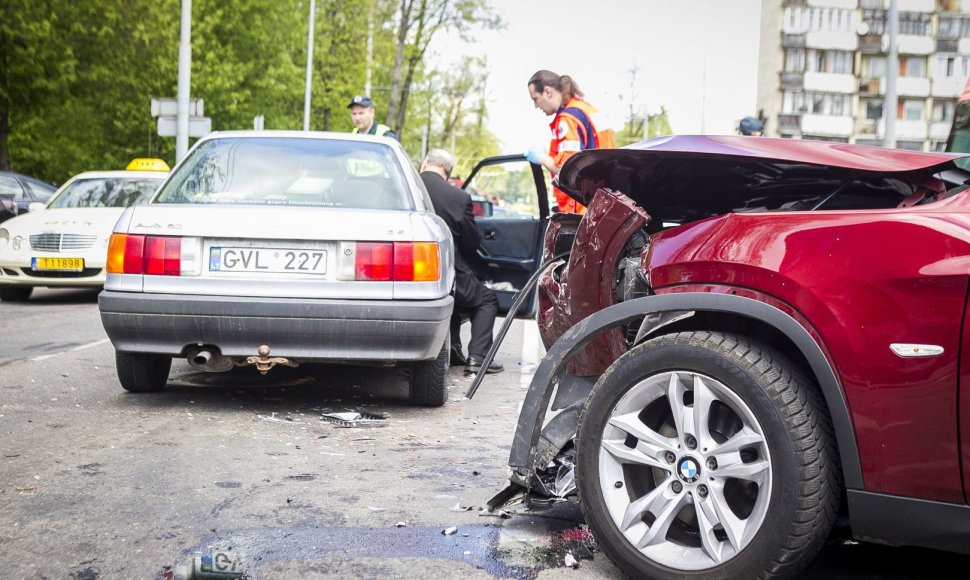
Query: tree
{"x": 638, "y": 127}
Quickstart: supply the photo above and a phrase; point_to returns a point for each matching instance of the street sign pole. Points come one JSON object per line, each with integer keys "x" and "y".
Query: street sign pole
{"x": 185, "y": 68}
{"x": 309, "y": 66}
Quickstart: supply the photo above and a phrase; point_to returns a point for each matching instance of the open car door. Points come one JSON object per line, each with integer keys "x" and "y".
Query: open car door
{"x": 513, "y": 198}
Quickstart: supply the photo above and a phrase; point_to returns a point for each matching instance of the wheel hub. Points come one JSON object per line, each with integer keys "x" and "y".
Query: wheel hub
{"x": 689, "y": 469}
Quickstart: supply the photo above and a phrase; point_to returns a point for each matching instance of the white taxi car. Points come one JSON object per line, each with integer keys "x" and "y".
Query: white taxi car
{"x": 65, "y": 243}
{"x": 280, "y": 248}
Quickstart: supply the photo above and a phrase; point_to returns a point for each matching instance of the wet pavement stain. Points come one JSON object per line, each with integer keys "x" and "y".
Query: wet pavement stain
{"x": 518, "y": 551}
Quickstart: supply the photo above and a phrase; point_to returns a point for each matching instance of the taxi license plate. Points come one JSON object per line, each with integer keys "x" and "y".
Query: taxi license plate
{"x": 268, "y": 260}
{"x": 57, "y": 264}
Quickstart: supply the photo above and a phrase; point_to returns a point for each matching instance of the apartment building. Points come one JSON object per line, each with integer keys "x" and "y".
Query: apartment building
{"x": 823, "y": 63}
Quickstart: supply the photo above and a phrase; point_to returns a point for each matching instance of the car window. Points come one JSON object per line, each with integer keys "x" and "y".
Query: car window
{"x": 39, "y": 191}
{"x": 106, "y": 192}
{"x": 511, "y": 189}
{"x": 290, "y": 171}
{"x": 10, "y": 187}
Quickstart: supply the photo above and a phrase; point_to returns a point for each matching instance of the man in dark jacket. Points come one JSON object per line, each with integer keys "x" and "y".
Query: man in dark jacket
{"x": 472, "y": 299}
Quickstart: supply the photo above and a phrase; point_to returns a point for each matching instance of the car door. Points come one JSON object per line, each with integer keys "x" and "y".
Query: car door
{"x": 512, "y": 225}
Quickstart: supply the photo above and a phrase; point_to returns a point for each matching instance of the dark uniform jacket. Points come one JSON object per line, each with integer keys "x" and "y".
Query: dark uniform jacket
{"x": 455, "y": 207}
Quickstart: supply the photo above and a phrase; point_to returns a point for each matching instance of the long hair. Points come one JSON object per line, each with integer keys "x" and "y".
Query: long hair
{"x": 564, "y": 84}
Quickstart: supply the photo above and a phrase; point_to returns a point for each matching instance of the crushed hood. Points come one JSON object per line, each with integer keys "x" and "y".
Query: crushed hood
{"x": 688, "y": 177}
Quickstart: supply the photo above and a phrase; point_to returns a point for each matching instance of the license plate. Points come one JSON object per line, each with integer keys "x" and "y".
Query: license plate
{"x": 268, "y": 260}
{"x": 57, "y": 264}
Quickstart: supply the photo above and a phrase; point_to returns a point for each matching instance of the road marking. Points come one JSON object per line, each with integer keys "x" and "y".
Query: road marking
{"x": 75, "y": 349}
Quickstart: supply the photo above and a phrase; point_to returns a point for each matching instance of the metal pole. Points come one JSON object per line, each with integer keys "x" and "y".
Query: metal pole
{"x": 185, "y": 70}
{"x": 891, "y": 103}
{"x": 370, "y": 46}
{"x": 309, "y": 65}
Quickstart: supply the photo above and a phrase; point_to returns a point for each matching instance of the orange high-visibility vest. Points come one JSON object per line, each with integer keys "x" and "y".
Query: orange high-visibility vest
{"x": 573, "y": 131}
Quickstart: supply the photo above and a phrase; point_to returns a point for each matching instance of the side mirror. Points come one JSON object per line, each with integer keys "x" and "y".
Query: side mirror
{"x": 35, "y": 206}
{"x": 482, "y": 208}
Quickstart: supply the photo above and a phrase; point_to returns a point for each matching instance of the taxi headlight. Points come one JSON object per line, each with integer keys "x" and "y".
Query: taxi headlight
{"x": 4, "y": 236}
{"x": 17, "y": 240}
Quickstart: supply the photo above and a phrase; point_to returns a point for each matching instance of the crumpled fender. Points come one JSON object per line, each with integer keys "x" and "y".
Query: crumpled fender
{"x": 523, "y": 458}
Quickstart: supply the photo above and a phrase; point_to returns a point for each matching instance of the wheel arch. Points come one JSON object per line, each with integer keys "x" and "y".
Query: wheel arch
{"x": 689, "y": 311}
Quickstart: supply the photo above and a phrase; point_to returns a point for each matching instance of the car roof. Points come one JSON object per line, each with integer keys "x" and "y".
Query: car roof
{"x": 656, "y": 159}
{"x": 331, "y": 135}
{"x": 121, "y": 173}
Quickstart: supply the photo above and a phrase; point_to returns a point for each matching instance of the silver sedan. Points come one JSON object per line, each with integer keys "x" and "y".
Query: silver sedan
{"x": 279, "y": 248}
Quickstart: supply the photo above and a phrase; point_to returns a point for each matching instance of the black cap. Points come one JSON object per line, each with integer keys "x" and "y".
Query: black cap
{"x": 362, "y": 100}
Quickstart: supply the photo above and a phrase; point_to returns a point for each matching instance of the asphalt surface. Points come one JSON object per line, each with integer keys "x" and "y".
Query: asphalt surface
{"x": 99, "y": 483}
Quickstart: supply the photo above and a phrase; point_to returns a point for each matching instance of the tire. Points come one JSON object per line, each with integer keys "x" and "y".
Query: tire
{"x": 142, "y": 372}
{"x": 426, "y": 386}
{"x": 765, "y": 468}
{"x": 16, "y": 294}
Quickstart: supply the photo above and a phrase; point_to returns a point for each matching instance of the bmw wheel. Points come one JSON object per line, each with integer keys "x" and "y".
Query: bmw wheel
{"x": 707, "y": 455}
{"x": 426, "y": 386}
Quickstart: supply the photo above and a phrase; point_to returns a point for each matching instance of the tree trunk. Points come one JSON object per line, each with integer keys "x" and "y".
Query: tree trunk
{"x": 404, "y": 27}
{"x": 4, "y": 131}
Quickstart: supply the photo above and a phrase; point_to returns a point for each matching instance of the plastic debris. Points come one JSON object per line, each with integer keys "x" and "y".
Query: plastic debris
{"x": 401, "y": 525}
{"x": 461, "y": 508}
{"x": 272, "y": 419}
{"x": 449, "y": 531}
{"x": 570, "y": 561}
{"x": 355, "y": 419}
{"x": 375, "y": 509}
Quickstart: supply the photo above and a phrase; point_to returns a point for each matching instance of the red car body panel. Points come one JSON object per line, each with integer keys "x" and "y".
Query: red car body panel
{"x": 858, "y": 280}
{"x": 859, "y": 304}
{"x": 605, "y": 229}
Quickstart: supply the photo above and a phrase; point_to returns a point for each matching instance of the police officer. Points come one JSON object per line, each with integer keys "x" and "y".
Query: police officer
{"x": 362, "y": 114}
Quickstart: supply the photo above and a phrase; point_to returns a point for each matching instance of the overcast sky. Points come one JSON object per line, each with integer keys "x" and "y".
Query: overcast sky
{"x": 697, "y": 58}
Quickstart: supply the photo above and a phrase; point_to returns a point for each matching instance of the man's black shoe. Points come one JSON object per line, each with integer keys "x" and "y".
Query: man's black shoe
{"x": 457, "y": 358}
{"x": 475, "y": 365}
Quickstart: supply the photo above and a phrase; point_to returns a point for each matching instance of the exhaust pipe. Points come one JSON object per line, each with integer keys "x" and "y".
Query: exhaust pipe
{"x": 208, "y": 358}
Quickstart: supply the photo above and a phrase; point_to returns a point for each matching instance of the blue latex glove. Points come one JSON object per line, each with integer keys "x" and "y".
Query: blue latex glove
{"x": 534, "y": 155}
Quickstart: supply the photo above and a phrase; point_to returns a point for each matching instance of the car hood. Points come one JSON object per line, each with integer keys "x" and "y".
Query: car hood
{"x": 82, "y": 220}
{"x": 736, "y": 170}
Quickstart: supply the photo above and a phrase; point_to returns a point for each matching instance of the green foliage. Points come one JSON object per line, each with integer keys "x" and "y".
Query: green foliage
{"x": 634, "y": 129}
{"x": 77, "y": 78}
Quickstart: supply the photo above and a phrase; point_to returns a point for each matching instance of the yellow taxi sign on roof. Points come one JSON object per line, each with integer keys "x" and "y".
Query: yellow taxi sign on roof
{"x": 148, "y": 164}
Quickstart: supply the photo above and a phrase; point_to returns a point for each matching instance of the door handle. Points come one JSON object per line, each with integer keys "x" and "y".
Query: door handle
{"x": 489, "y": 234}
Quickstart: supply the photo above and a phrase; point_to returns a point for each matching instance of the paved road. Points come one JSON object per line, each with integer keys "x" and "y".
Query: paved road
{"x": 99, "y": 483}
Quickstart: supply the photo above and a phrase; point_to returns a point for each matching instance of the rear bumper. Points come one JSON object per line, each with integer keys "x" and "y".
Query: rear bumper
{"x": 300, "y": 329}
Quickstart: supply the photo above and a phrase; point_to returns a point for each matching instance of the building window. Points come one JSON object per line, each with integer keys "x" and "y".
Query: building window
{"x": 796, "y": 102}
{"x": 952, "y": 66}
{"x": 914, "y": 23}
{"x": 950, "y": 28}
{"x": 874, "y": 67}
{"x": 874, "y": 109}
{"x": 875, "y": 20}
{"x": 795, "y": 60}
{"x": 943, "y": 111}
{"x": 801, "y": 19}
{"x": 912, "y": 66}
{"x": 912, "y": 109}
{"x": 830, "y": 61}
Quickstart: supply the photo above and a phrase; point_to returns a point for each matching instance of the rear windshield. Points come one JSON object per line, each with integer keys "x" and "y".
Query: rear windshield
{"x": 106, "y": 192}
{"x": 289, "y": 171}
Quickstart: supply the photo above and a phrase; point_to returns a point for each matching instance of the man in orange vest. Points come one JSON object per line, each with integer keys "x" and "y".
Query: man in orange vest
{"x": 572, "y": 127}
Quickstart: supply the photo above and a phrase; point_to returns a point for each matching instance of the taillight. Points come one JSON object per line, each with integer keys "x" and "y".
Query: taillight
{"x": 397, "y": 261}
{"x": 137, "y": 254}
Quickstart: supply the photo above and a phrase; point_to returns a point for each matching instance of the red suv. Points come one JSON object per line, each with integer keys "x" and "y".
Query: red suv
{"x": 747, "y": 337}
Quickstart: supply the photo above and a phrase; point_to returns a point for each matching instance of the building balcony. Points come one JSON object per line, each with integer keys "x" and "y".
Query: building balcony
{"x": 830, "y": 83}
{"x": 826, "y": 40}
{"x": 910, "y": 44}
{"x": 827, "y": 125}
{"x": 947, "y": 44}
{"x": 789, "y": 124}
{"x": 792, "y": 80}
{"x": 912, "y": 87}
{"x": 911, "y": 130}
{"x": 963, "y": 47}
{"x": 871, "y": 87}
{"x": 846, "y": 4}
{"x": 940, "y": 130}
{"x": 869, "y": 128}
{"x": 789, "y": 40}
{"x": 926, "y": 6}
{"x": 870, "y": 44}
{"x": 949, "y": 87}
